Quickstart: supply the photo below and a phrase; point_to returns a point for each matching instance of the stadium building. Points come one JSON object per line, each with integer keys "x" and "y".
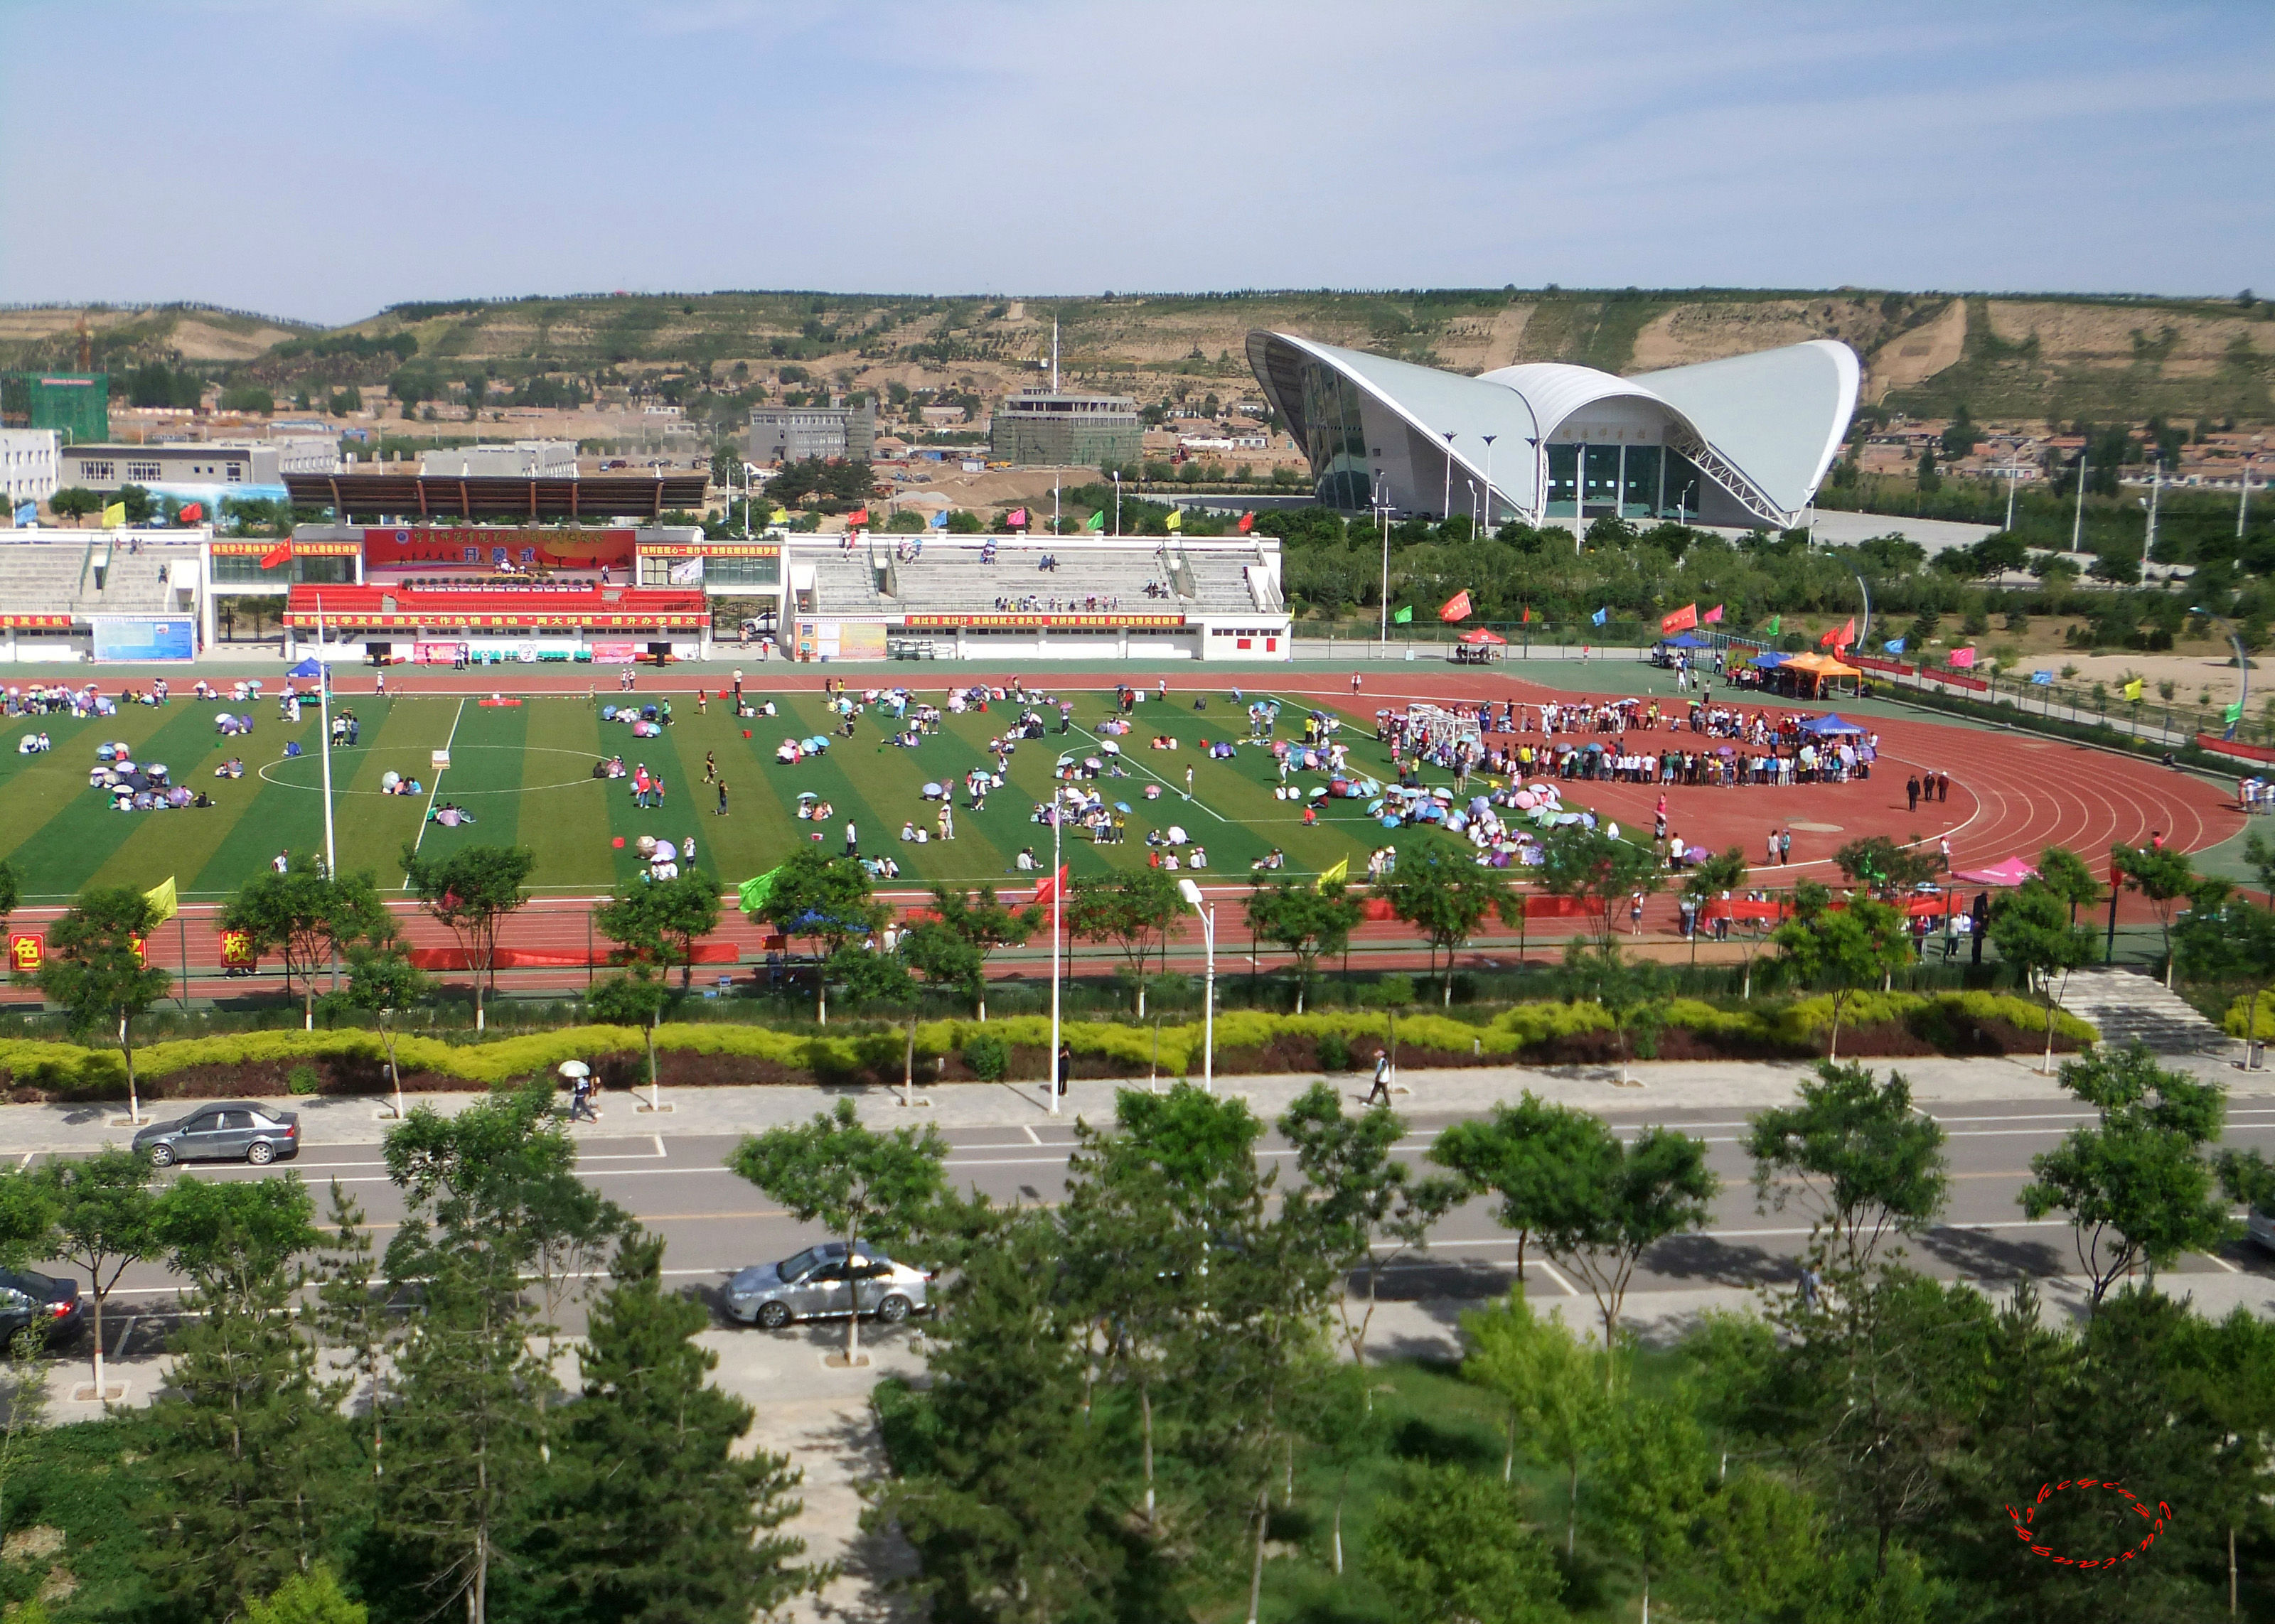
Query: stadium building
{"x": 1744, "y": 441}
{"x": 1053, "y": 429}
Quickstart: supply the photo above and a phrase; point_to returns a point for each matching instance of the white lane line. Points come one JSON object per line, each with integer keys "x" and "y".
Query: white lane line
{"x": 423, "y": 824}
{"x": 1571, "y": 1290}
{"x": 659, "y": 1148}
{"x": 1191, "y": 800}
{"x": 1033, "y": 1138}
{"x": 2223, "y": 1262}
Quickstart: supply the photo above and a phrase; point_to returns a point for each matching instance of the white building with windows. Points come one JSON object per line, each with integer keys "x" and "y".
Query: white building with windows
{"x": 179, "y": 462}
{"x": 1744, "y": 440}
{"x": 522, "y": 459}
{"x": 29, "y": 458}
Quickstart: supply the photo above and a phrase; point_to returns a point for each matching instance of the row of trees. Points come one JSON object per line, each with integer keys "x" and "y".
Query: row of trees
{"x": 397, "y": 1417}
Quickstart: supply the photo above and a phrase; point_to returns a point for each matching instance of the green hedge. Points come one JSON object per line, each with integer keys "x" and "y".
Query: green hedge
{"x": 64, "y": 1068}
{"x": 2235, "y": 1023}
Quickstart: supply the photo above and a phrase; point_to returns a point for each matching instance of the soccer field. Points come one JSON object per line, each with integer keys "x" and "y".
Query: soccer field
{"x": 525, "y": 772}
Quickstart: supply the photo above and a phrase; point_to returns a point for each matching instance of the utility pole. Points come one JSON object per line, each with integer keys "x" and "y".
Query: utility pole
{"x": 2077, "y": 529}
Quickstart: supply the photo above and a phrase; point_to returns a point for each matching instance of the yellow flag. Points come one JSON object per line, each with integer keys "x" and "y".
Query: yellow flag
{"x": 1335, "y": 876}
{"x": 114, "y": 515}
{"x": 2133, "y": 690}
{"x": 1176, "y": 519}
{"x": 163, "y": 901}
{"x": 780, "y": 516}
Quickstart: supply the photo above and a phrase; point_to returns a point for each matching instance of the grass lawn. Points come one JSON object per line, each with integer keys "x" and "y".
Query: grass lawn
{"x": 525, "y": 772}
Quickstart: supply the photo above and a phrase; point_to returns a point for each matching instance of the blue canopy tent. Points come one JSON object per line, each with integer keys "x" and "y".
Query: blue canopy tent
{"x": 1768, "y": 661}
{"x": 308, "y": 668}
{"x": 1688, "y": 640}
{"x": 1829, "y": 724}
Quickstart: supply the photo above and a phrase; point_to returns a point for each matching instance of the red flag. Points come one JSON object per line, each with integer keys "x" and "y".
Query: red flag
{"x": 1017, "y": 519}
{"x": 280, "y": 554}
{"x": 1247, "y": 523}
{"x": 1711, "y": 615}
{"x": 1839, "y": 637}
{"x": 1681, "y": 620}
{"x": 859, "y": 516}
{"x": 1455, "y": 608}
{"x": 1049, "y": 886}
{"x": 1962, "y": 658}
{"x": 1528, "y": 616}
{"x": 192, "y": 514}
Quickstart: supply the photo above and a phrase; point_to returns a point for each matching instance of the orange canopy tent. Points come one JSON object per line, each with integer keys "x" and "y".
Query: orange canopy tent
{"x": 1481, "y": 636}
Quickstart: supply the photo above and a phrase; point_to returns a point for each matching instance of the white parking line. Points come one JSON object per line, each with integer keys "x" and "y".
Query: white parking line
{"x": 1571, "y": 1290}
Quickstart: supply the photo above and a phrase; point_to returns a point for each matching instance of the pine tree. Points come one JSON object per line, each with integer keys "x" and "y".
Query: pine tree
{"x": 651, "y": 1517}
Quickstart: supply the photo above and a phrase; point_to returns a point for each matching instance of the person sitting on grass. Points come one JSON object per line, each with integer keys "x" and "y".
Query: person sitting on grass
{"x": 449, "y": 814}
{"x": 234, "y": 767}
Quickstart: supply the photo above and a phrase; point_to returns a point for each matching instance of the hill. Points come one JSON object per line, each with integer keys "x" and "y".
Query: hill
{"x": 2018, "y": 356}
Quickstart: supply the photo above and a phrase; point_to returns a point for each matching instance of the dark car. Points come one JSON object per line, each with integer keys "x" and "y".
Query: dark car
{"x": 39, "y": 1304}
{"x": 230, "y": 1130}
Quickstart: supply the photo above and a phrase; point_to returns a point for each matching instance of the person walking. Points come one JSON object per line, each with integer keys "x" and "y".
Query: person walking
{"x": 947, "y": 821}
{"x": 1942, "y": 787}
{"x": 1809, "y": 1282}
{"x": 1912, "y": 791}
{"x": 1066, "y": 1068}
{"x": 738, "y": 693}
{"x": 710, "y": 766}
{"x": 379, "y": 685}
{"x": 1785, "y": 848}
{"x": 580, "y": 1100}
{"x": 1379, "y": 1093}
{"x": 1942, "y": 853}
{"x": 853, "y": 840}
{"x": 1188, "y": 783}
{"x": 1635, "y": 913}
{"x": 722, "y": 800}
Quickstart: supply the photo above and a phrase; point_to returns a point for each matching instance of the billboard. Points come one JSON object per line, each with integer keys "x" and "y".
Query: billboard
{"x": 139, "y": 639}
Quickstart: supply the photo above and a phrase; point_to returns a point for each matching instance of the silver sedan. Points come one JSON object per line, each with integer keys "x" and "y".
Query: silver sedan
{"x": 827, "y": 1281}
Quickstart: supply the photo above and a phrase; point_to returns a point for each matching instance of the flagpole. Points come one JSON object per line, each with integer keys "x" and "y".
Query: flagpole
{"x": 324, "y": 710}
{"x": 1058, "y": 889}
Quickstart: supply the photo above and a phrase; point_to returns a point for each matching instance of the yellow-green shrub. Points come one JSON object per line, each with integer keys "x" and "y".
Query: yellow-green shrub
{"x": 2235, "y": 1024}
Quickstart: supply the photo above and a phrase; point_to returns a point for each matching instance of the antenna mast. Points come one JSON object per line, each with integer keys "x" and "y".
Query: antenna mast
{"x": 1054, "y": 353}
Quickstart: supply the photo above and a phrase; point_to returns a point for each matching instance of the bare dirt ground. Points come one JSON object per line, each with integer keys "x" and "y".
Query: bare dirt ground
{"x": 1914, "y": 356}
{"x": 2098, "y": 336}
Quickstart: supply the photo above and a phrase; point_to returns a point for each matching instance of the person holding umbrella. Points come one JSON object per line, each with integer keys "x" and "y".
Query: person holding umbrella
{"x": 580, "y": 1091}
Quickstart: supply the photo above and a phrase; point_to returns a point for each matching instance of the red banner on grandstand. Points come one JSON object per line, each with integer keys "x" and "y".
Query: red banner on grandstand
{"x": 392, "y": 547}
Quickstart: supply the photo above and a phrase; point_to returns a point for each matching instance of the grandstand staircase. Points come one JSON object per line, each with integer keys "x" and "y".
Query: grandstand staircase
{"x": 2128, "y": 1008}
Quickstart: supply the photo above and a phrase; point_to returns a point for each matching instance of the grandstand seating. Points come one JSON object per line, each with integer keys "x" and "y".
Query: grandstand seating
{"x": 90, "y": 575}
{"x": 949, "y": 577}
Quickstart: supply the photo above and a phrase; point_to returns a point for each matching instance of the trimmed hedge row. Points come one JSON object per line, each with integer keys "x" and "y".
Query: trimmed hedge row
{"x": 60, "y": 1069}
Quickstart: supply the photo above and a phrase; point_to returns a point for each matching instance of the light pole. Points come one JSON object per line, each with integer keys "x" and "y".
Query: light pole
{"x": 2243, "y": 505}
{"x": 2156, "y": 488}
{"x": 324, "y": 712}
{"x": 1446, "y": 506}
{"x": 1473, "y": 509}
{"x": 2077, "y": 529}
{"x": 2013, "y": 476}
{"x": 1117, "y": 502}
{"x": 2243, "y": 667}
{"x": 1382, "y": 513}
{"x": 1206, "y": 913}
{"x": 1058, "y": 885}
{"x": 1489, "y": 438}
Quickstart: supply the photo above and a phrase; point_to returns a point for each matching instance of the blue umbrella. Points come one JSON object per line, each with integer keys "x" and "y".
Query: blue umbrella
{"x": 1122, "y": 807}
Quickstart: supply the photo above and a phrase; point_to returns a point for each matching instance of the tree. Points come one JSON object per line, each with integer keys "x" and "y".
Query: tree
{"x": 637, "y": 997}
{"x": 74, "y": 502}
{"x": 1348, "y": 1429}
{"x": 310, "y": 1597}
{"x": 2137, "y": 1185}
{"x": 12, "y": 892}
{"x": 863, "y": 1185}
{"x": 1850, "y": 947}
{"x": 1864, "y": 1162}
{"x": 382, "y": 980}
{"x": 1889, "y": 870}
{"x": 103, "y": 1214}
{"x": 1632, "y": 991}
{"x": 307, "y": 917}
{"x": 245, "y": 1459}
{"x": 1527, "y": 1154}
{"x": 1133, "y": 911}
{"x": 1359, "y": 1205}
{"x": 1306, "y": 920}
{"x": 1443, "y": 897}
{"x": 471, "y": 893}
{"x": 654, "y": 1516}
{"x": 942, "y": 959}
{"x": 2228, "y": 940}
{"x": 654, "y": 921}
{"x": 827, "y": 900}
{"x": 1451, "y": 1547}
{"x": 1719, "y": 875}
{"x": 1654, "y": 1486}
{"x": 94, "y": 968}
{"x": 2164, "y": 876}
{"x": 1557, "y": 1408}
{"x": 352, "y": 1312}
{"x": 2031, "y": 930}
{"x": 141, "y": 505}
{"x": 2064, "y": 872}
{"x": 982, "y": 924}
{"x": 1593, "y": 867}
{"x": 1626, "y": 1196}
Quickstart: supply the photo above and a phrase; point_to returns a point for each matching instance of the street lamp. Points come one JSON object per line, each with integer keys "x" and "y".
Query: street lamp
{"x": 1206, "y": 912}
{"x": 2077, "y": 529}
{"x": 1489, "y": 438}
{"x": 2243, "y": 667}
{"x": 1382, "y": 513}
{"x": 1117, "y": 502}
{"x": 1058, "y": 887}
{"x": 2243, "y": 506}
{"x": 1446, "y": 505}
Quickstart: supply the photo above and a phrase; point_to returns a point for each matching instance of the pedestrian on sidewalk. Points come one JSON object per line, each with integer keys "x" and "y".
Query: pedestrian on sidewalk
{"x": 1066, "y": 1068}
{"x": 1379, "y": 1093}
{"x": 1809, "y": 1282}
{"x": 580, "y": 1100}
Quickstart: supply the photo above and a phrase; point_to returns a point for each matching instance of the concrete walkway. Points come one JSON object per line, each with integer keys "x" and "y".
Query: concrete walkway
{"x": 36, "y": 1130}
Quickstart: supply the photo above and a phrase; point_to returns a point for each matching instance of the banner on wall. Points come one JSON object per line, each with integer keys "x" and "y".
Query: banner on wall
{"x": 138, "y": 639}
{"x": 390, "y": 547}
{"x": 861, "y": 640}
{"x": 620, "y": 653}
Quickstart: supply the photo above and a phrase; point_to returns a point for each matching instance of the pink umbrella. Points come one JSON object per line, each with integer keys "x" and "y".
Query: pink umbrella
{"x": 2012, "y": 871}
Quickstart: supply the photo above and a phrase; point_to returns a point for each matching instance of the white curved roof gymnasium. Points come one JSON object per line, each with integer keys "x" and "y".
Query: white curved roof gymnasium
{"x": 1742, "y": 441}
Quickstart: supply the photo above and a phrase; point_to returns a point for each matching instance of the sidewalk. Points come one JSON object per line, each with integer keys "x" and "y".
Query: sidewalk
{"x": 1658, "y": 1088}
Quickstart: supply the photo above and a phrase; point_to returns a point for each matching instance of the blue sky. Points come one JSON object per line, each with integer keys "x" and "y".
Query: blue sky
{"x": 321, "y": 158}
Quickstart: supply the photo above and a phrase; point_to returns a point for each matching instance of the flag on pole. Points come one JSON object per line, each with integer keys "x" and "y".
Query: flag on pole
{"x": 2233, "y": 713}
{"x": 1402, "y": 615}
{"x": 1247, "y": 523}
{"x": 279, "y": 554}
{"x": 1335, "y": 876}
{"x": 1096, "y": 521}
{"x": 164, "y": 902}
{"x": 1017, "y": 519}
{"x": 1839, "y": 637}
{"x": 192, "y": 514}
{"x": 1894, "y": 645}
{"x": 1176, "y": 519}
{"x": 859, "y": 516}
{"x": 1049, "y": 886}
{"x": 114, "y": 515}
{"x": 2132, "y": 692}
{"x": 780, "y": 516}
{"x": 1600, "y": 615}
{"x": 1455, "y": 608}
{"x": 938, "y": 521}
{"x": 1770, "y": 630}
{"x": 1962, "y": 658}
{"x": 1680, "y": 620}
{"x": 1711, "y": 616}
{"x": 28, "y": 514}
{"x": 751, "y": 894}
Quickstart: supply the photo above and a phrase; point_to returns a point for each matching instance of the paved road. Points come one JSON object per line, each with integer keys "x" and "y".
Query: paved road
{"x": 714, "y": 1222}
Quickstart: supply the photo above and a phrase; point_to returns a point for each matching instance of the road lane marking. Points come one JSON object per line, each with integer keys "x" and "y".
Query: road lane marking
{"x": 1553, "y": 1274}
{"x": 1033, "y": 1138}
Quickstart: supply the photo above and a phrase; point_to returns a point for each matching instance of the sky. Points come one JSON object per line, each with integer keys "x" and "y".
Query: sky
{"x": 321, "y": 159}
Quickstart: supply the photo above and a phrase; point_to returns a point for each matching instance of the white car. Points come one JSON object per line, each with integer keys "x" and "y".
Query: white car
{"x": 827, "y": 1281}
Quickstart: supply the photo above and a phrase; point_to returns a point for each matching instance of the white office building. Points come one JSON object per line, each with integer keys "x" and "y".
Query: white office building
{"x": 29, "y": 461}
